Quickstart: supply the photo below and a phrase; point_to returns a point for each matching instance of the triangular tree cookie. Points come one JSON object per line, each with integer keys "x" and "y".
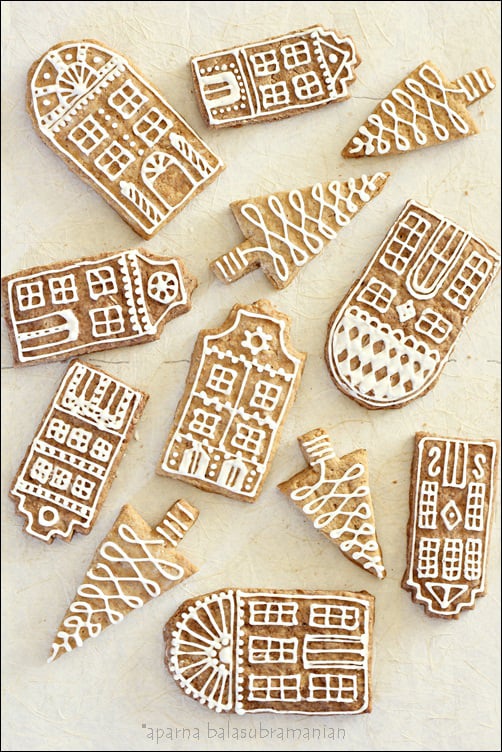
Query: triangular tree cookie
{"x": 424, "y": 109}
{"x": 286, "y": 230}
{"x": 132, "y": 565}
{"x": 334, "y": 493}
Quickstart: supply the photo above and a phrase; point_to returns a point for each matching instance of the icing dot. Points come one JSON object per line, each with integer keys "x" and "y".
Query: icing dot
{"x": 115, "y": 125}
{"x": 211, "y": 473}
{"x": 332, "y": 58}
{"x": 224, "y": 67}
{"x": 243, "y": 106}
{"x": 217, "y": 457}
{"x": 228, "y": 109}
{"x": 222, "y": 110}
{"x": 67, "y": 56}
{"x": 48, "y": 515}
{"x": 141, "y": 152}
{"x": 126, "y": 137}
{"x": 175, "y": 454}
{"x": 232, "y": 65}
{"x": 236, "y": 106}
{"x": 133, "y": 143}
{"x": 202, "y": 70}
{"x": 108, "y": 117}
{"x": 172, "y": 462}
{"x": 97, "y": 59}
{"x": 217, "y": 67}
{"x": 46, "y": 102}
{"x": 47, "y": 75}
{"x": 209, "y": 70}
{"x": 101, "y": 111}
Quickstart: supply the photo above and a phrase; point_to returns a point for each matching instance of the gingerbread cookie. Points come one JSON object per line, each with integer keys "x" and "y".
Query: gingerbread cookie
{"x": 117, "y": 132}
{"x": 452, "y": 494}
{"x": 392, "y": 334}
{"x": 66, "y": 473}
{"x": 242, "y": 381}
{"x": 96, "y": 303}
{"x": 286, "y": 230}
{"x": 133, "y": 564}
{"x": 425, "y": 109}
{"x": 274, "y": 78}
{"x": 274, "y": 651}
{"x": 334, "y": 494}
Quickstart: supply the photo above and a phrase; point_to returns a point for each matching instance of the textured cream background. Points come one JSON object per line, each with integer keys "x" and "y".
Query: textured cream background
{"x": 436, "y": 683}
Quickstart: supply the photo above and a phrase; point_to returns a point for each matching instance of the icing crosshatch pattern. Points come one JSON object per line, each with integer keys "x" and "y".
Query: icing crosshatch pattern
{"x": 65, "y": 474}
{"x": 93, "y": 304}
{"x": 451, "y": 508}
{"x": 116, "y": 131}
{"x": 280, "y": 76}
{"x": 246, "y": 651}
{"x": 390, "y": 337}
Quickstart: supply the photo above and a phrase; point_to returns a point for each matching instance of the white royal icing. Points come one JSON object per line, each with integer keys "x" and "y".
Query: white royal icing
{"x": 92, "y": 98}
{"x": 450, "y": 522}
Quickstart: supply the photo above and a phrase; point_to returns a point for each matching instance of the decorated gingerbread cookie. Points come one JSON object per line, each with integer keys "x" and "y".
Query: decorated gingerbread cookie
{"x": 133, "y": 564}
{"x": 242, "y": 381}
{"x": 333, "y": 492}
{"x": 96, "y": 303}
{"x": 286, "y": 230}
{"x": 392, "y": 334}
{"x": 274, "y": 78}
{"x": 117, "y": 132}
{"x": 274, "y": 651}
{"x": 425, "y": 109}
{"x": 67, "y": 470}
{"x": 452, "y": 494}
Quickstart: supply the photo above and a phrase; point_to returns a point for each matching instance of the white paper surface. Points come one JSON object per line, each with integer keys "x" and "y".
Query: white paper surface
{"x": 435, "y": 682}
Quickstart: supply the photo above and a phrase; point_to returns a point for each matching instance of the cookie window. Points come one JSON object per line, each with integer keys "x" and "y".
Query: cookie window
{"x": 452, "y": 559}
{"x": 265, "y": 63}
{"x": 204, "y": 423}
{"x": 272, "y": 650}
{"x": 295, "y": 55}
{"x": 471, "y": 276}
{"x": 152, "y": 126}
{"x": 377, "y": 295}
{"x": 221, "y": 379}
{"x": 428, "y": 553}
{"x": 60, "y": 479}
{"x": 114, "y": 160}
{"x": 307, "y": 86}
{"x": 404, "y": 243}
{"x": 274, "y": 95}
{"x": 265, "y": 396}
{"x": 473, "y": 559}
{"x": 273, "y": 612}
{"x": 82, "y": 488}
{"x": 269, "y": 688}
{"x": 474, "y": 511}
{"x": 101, "y": 281}
{"x": 30, "y": 295}
{"x": 427, "y": 506}
{"x": 79, "y": 439}
{"x": 106, "y": 321}
{"x": 433, "y": 325}
{"x": 88, "y": 134}
{"x": 332, "y": 687}
{"x": 63, "y": 289}
{"x": 340, "y": 617}
{"x": 248, "y": 439}
{"x": 127, "y": 100}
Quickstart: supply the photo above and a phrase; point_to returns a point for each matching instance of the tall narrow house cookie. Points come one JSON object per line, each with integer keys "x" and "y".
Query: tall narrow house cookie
{"x": 286, "y": 230}
{"x": 452, "y": 493}
{"x": 274, "y": 651}
{"x": 424, "y": 109}
{"x": 274, "y": 78}
{"x": 333, "y": 492}
{"x": 99, "y": 302}
{"x": 242, "y": 381}
{"x": 392, "y": 334}
{"x": 118, "y": 133}
{"x": 133, "y": 564}
{"x": 66, "y": 473}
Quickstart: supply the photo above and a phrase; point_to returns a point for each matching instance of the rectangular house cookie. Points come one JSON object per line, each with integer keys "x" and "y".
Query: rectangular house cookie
{"x": 392, "y": 334}
{"x": 274, "y": 651}
{"x": 118, "y": 133}
{"x": 452, "y": 493}
{"x": 66, "y": 473}
{"x": 242, "y": 381}
{"x": 96, "y": 303}
{"x": 274, "y": 78}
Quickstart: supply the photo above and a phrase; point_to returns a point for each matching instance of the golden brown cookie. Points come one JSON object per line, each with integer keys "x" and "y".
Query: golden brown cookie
{"x": 133, "y": 564}
{"x": 275, "y": 651}
{"x": 71, "y": 463}
{"x": 393, "y": 332}
{"x": 242, "y": 381}
{"x": 274, "y": 78}
{"x": 452, "y": 493}
{"x": 333, "y": 492}
{"x": 286, "y": 230}
{"x": 424, "y": 109}
{"x": 117, "y": 132}
{"x": 96, "y": 303}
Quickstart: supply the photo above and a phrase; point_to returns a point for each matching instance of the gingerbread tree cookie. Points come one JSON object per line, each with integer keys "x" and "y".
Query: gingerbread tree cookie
{"x": 334, "y": 493}
{"x": 132, "y": 565}
{"x": 424, "y": 109}
{"x": 285, "y": 230}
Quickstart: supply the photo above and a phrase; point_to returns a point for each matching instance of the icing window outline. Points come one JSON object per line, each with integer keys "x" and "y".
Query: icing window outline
{"x": 428, "y": 555}
{"x": 204, "y": 423}
{"x": 405, "y": 241}
{"x": 427, "y": 511}
{"x": 127, "y": 100}
{"x": 58, "y": 430}
{"x": 295, "y": 55}
{"x": 265, "y": 63}
{"x": 272, "y": 649}
{"x": 433, "y": 325}
{"x": 377, "y": 294}
{"x": 452, "y": 559}
{"x": 307, "y": 85}
{"x": 333, "y": 616}
{"x": 473, "y": 559}
{"x": 63, "y": 289}
{"x": 152, "y": 126}
{"x": 41, "y": 470}
{"x": 101, "y": 281}
{"x": 270, "y": 688}
{"x": 82, "y": 488}
{"x": 273, "y": 612}
{"x": 221, "y": 379}
{"x": 472, "y": 275}
{"x": 30, "y": 295}
{"x": 274, "y": 95}
{"x": 88, "y": 134}
{"x": 332, "y": 687}
{"x": 107, "y": 321}
{"x": 265, "y": 396}
{"x": 60, "y": 479}
{"x": 114, "y": 160}
{"x": 475, "y": 506}
{"x": 248, "y": 439}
